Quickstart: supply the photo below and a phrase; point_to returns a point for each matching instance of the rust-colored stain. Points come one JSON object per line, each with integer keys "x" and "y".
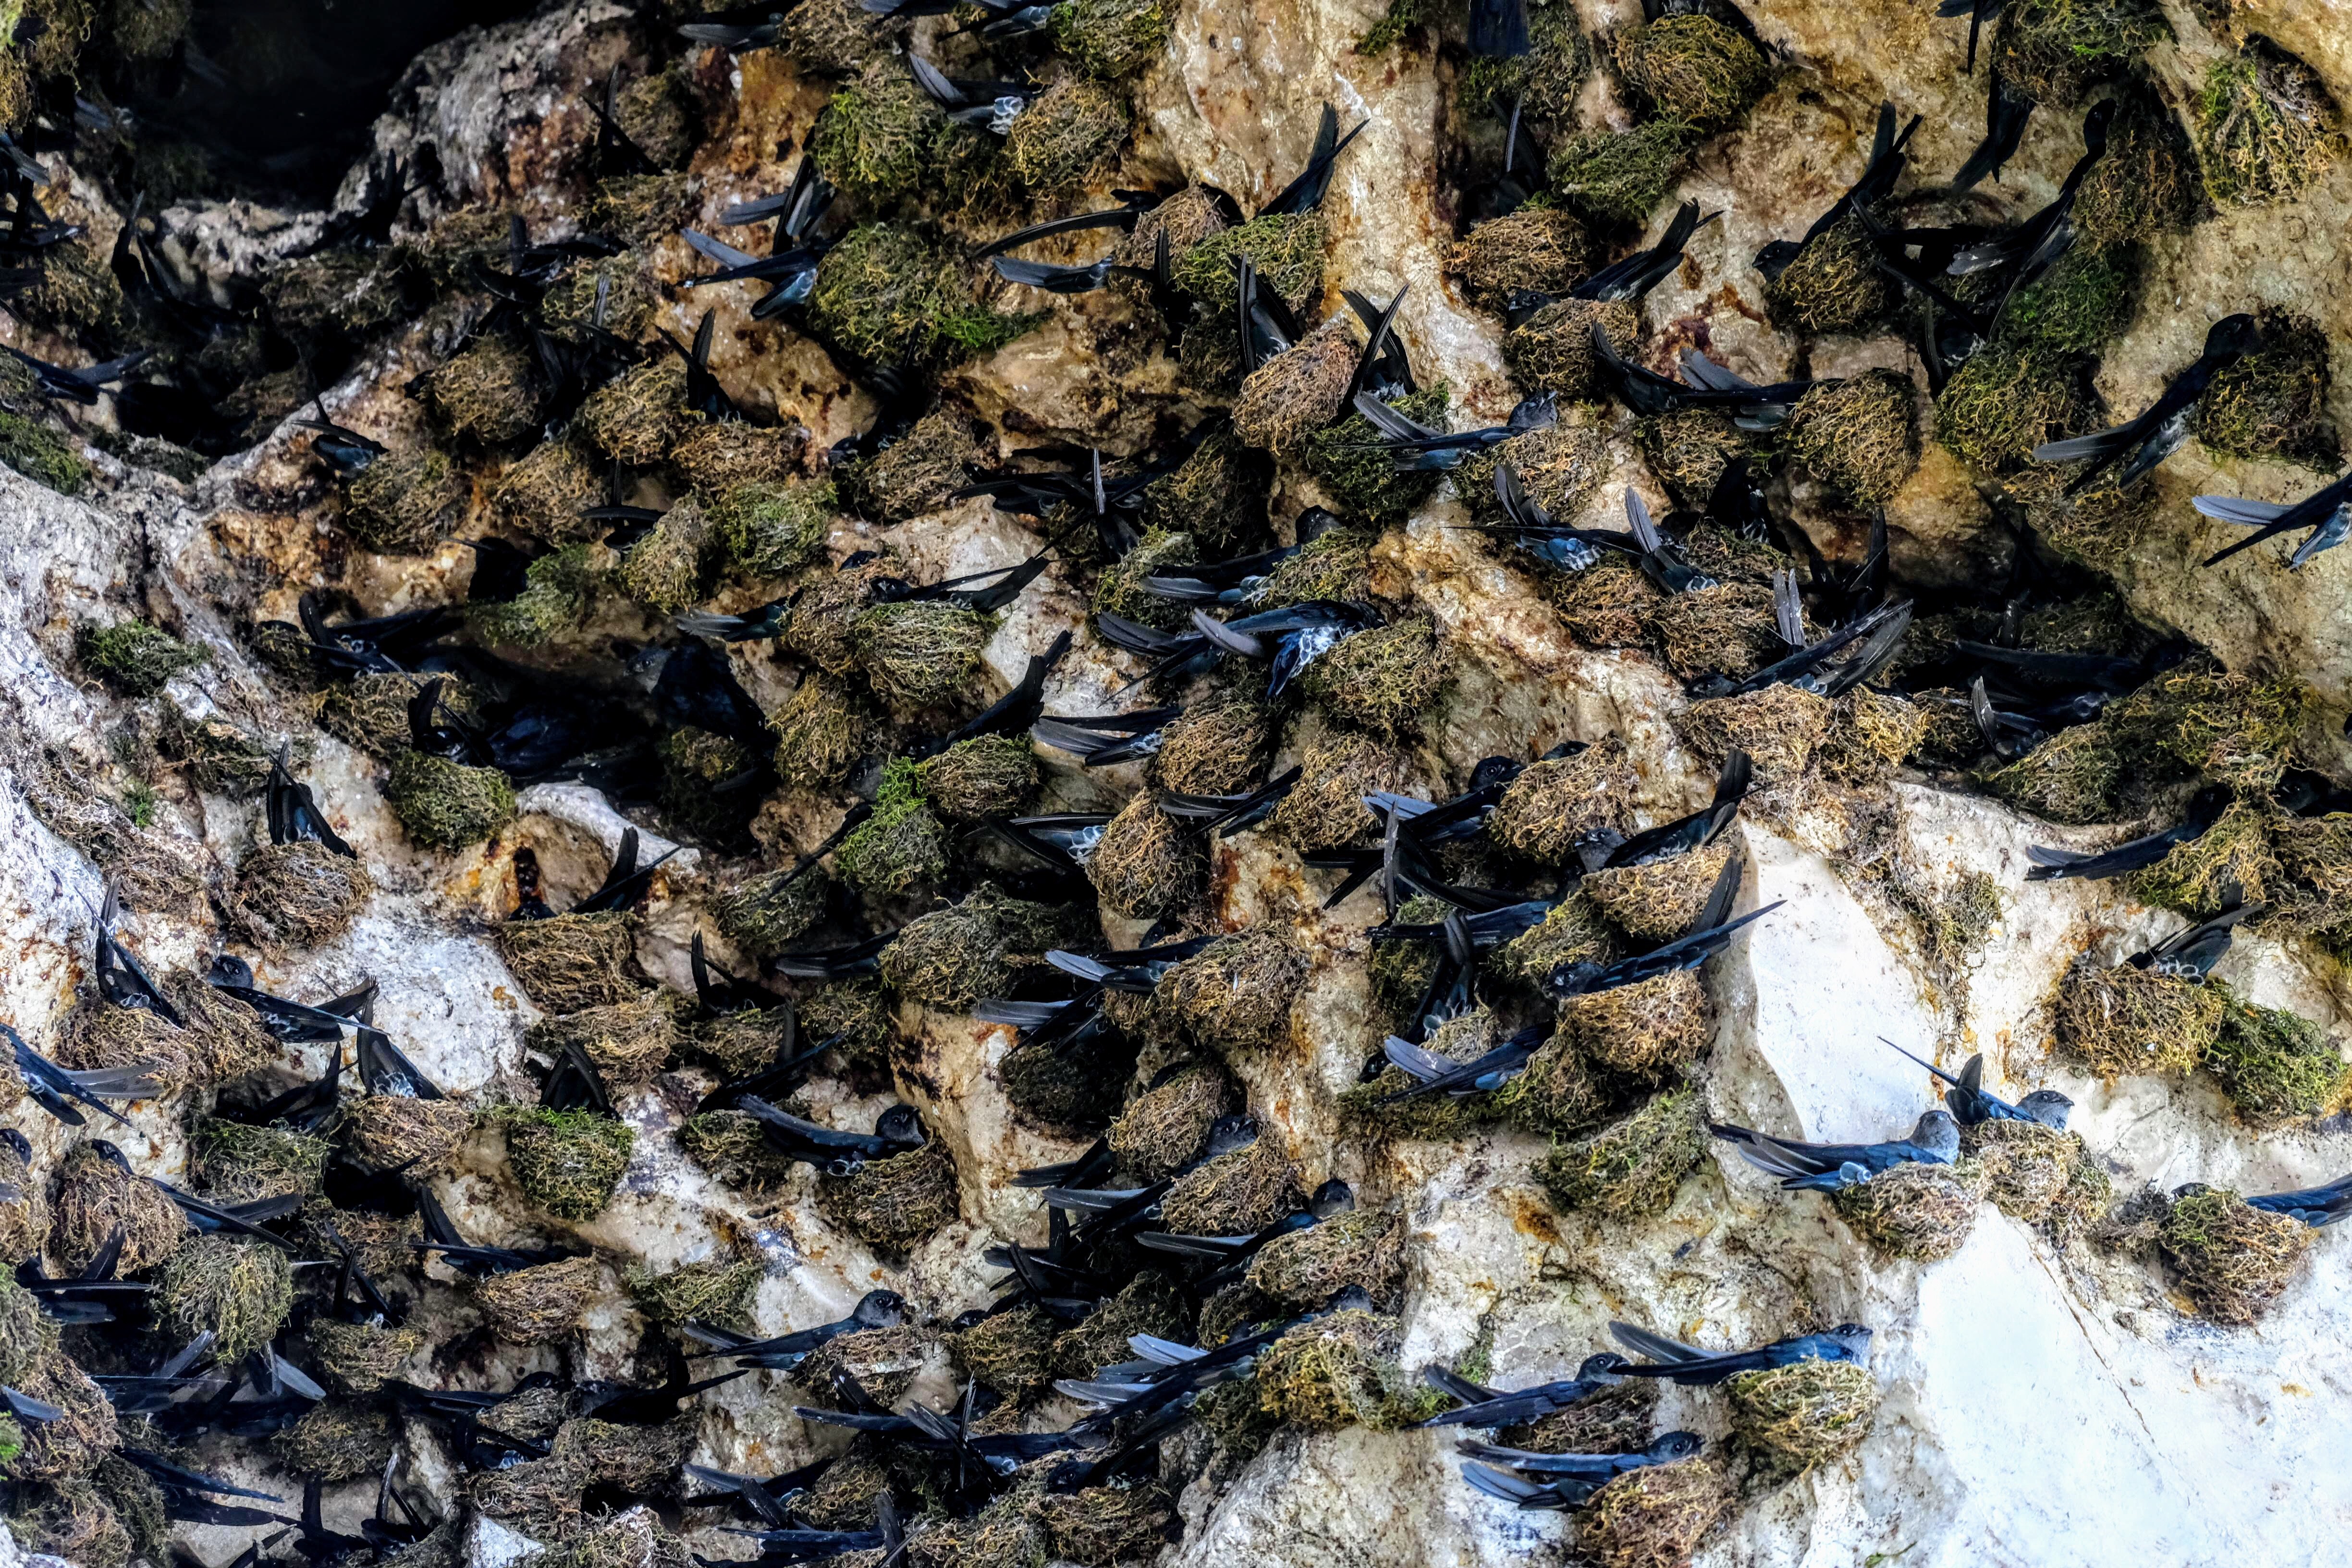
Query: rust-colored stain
{"x": 1529, "y": 1218}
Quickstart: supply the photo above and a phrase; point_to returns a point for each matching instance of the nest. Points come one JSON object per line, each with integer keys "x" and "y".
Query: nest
{"x": 986, "y": 776}
{"x": 571, "y": 962}
{"x": 301, "y": 894}
{"x": 1304, "y": 1269}
{"x": 1615, "y": 1419}
{"x": 1655, "y": 1516}
{"x": 97, "y": 1034}
{"x": 1631, "y": 1168}
{"x": 24, "y": 1218}
{"x": 2127, "y": 1021}
{"x": 1621, "y": 177}
{"x": 380, "y": 1241}
{"x": 630, "y": 1042}
{"x": 953, "y": 957}
{"x": 2266, "y": 127}
{"x": 94, "y": 1196}
{"x": 1728, "y": 629}
{"x": 1001, "y": 1535}
{"x": 2024, "y": 1166}
{"x": 1112, "y": 39}
{"x": 859, "y": 1011}
{"x": 566, "y": 1161}
{"x": 916, "y": 474}
{"x": 635, "y": 417}
{"x": 641, "y": 210}
{"x": 1689, "y": 449}
{"x": 335, "y": 1443}
{"x": 705, "y": 783}
{"x": 744, "y": 1042}
{"x": 559, "y": 590}
{"x": 1540, "y": 249}
{"x": 923, "y": 654}
{"x": 895, "y": 1203}
{"x": 629, "y": 303}
{"x": 636, "y": 1459}
{"x": 135, "y": 658}
{"x": 74, "y": 1444}
{"x": 2275, "y": 1067}
{"x": 1299, "y": 391}
{"x": 1164, "y": 1130}
{"x": 1647, "y": 1031}
{"x": 1146, "y": 865}
{"x": 444, "y": 804}
{"x": 733, "y": 1147}
{"x": 339, "y": 293}
{"x": 1697, "y": 70}
{"x": 70, "y": 1521}
{"x": 222, "y": 757}
{"x": 1325, "y": 809}
{"x": 723, "y": 456}
{"x": 241, "y": 1290}
{"x": 1236, "y": 993}
{"x": 544, "y": 493}
{"x": 2232, "y": 1260}
{"x": 139, "y": 1507}
{"x": 668, "y": 569}
{"x": 1384, "y": 681}
{"x": 1573, "y": 932}
{"x": 2231, "y": 861}
{"x": 1778, "y": 728}
{"x": 1553, "y": 351}
{"x": 1286, "y": 249}
{"x": 1361, "y": 477}
{"x": 28, "y": 1335}
{"x": 884, "y": 293}
{"x": 766, "y": 529}
{"x": 1238, "y": 1194}
{"x": 1831, "y": 285}
{"x": 488, "y": 393}
{"x": 2147, "y": 183}
{"x": 822, "y": 732}
{"x": 836, "y": 37}
{"x": 39, "y": 453}
{"x": 901, "y": 846}
{"x": 358, "y": 1359}
{"x": 1012, "y": 1353}
{"x": 1870, "y": 734}
{"x": 1859, "y": 436}
{"x": 1334, "y": 564}
{"x": 1068, "y": 134}
{"x": 538, "y": 1305}
{"x": 2005, "y": 402}
{"x": 1917, "y": 1211}
{"x": 1557, "y": 1093}
{"x": 539, "y": 1497}
{"x": 2079, "y": 305}
{"x": 885, "y": 1361}
{"x": 1119, "y": 590}
{"x": 1657, "y": 903}
{"x": 1550, "y": 807}
{"x": 1064, "y": 1090}
{"x": 1797, "y": 1416}
{"x": 1147, "y": 1304}
{"x": 2072, "y": 777}
{"x": 236, "y": 1164}
{"x": 1218, "y": 496}
{"x": 2055, "y": 51}
{"x": 1341, "y": 1371}
{"x": 763, "y": 914}
{"x": 2272, "y": 403}
{"x": 877, "y": 137}
{"x": 1563, "y": 468}
{"x": 846, "y": 1496}
{"x": 224, "y": 1035}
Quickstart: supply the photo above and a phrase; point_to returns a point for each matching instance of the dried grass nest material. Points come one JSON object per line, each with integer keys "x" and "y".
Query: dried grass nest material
{"x": 235, "y": 1163}
{"x": 1360, "y": 1248}
{"x": 2266, "y": 127}
{"x": 1286, "y": 248}
{"x": 724, "y": 456}
{"x": 893, "y": 1203}
{"x": 1621, "y": 176}
{"x": 74, "y": 1444}
{"x": 335, "y": 1442}
{"x": 224, "y": 1035}
{"x": 1553, "y": 805}
{"x": 921, "y": 654}
{"x": 95, "y": 1196}
{"x": 822, "y": 732}
{"x": 1146, "y": 865}
{"x": 488, "y": 393}
{"x": 1802, "y": 1415}
{"x": 1559, "y": 1095}
{"x": 2272, "y": 403}
{"x": 1695, "y": 70}
{"x": 97, "y": 1034}
{"x": 544, "y": 493}
{"x": 1238, "y": 1194}
{"x": 859, "y": 1012}
{"x": 536, "y": 1305}
{"x": 1164, "y": 1130}
{"x": 2123, "y": 1020}
{"x": 732, "y": 1146}
{"x": 885, "y": 292}
{"x": 1217, "y": 497}
{"x": 743, "y": 1042}
{"x": 405, "y": 502}
{"x": 916, "y": 474}
{"x": 70, "y": 1522}
{"x": 571, "y": 962}
{"x": 1384, "y": 681}
{"x": 2231, "y": 1260}
{"x": 1656, "y": 1516}
{"x": 885, "y": 1361}
{"x": 1065, "y": 1090}
{"x": 1633, "y": 1167}
{"x": 1870, "y": 735}
{"x": 1657, "y": 903}
{"x": 636, "y": 1459}
{"x": 668, "y": 569}
{"x": 1103, "y": 1525}
{"x": 24, "y": 1218}
{"x": 2055, "y": 51}
{"x": 1342, "y": 1371}
{"x": 1299, "y": 391}
{"x": 630, "y": 1042}
{"x": 1112, "y": 38}
{"x": 1236, "y": 993}
{"x": 635, "y": 417}
{"x": 444, "y": 804}
{"x": 986, "y": 776}
{"x": 1728, "y": 629}
{"x": 2026, "y": 1168}
{"x": 956, "y": 956}
{"x": 2276, "y": 1067}
{"x": 1573, "y": 932}
{"x": 297, "y": 895}
{"x": 1553, "y": 351}
{"x": 1542, "y": 248}
{"x": 846, "y": 1495}
{"x": 1617, "y": 1419}
{"x": 1147, "y": 1304}
{"x": 1067, "y": 134}
{"x": 1860, "y": 435}
{"x": 763, "y": 914}
{"x": 1012, "y": 1353}
{"x": 566, "y": 1161}
{"x": 358, "y": 1359}
{"x": 1920, "y": 1211}
{"x": 539, "y": 1497}
{"x": 1647, "y": 1031}
{"x": 240, "y": 1291}
{"x": 903, "y": 846}
{"x": 1325, "y": 809}
{"x": 1778, "y": 728}
{"x": 1832, "y": 285}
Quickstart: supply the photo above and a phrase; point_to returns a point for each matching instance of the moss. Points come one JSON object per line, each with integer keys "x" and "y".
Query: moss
{"x": 1832, "y": 285}
{"x": 136, "y": 658}
{"x": 297, "y": 895}
{"x": 335, "y": 1443}
{"x": 94, "y": 1198}
{"x": 1630, "y": 1168}
{"x": 1235, "y": 994}
{"x": 1220, "y": 744}
{"x": 1145, "y": 1304}
{"x": 1065, "y": 1090}
{"x": 1553, "y": 351}
{"x": 24, "y": 1224}
{"x": 916, "y": 474}
{"x": 358, "y": 1359}
{"x": 1660, "y": 901}
{"x": 445, "y": 804}
{"x": 1731, "y": 629}
{"x": 539, "y": 1304}
{"x": 2230, "y": 862}
{"x": 2275, "y": 1067}
{"x": 705, "y": 783}
{"x": 1325, "y": 809}
{"x": 1341, "y": 1371}
{"x": 1237, "y": 1193}
{"x": 70, "y": 1521}
{"x": 1540, "y": 248}
{"x": 2055, "y": 51}
{"x": 668, "y": 570}
{"x": 236, "y": 1164}
{"x": 2126, "y": 1020}
{"x": 717, "y": 1293}
{"x": 77, "y": 292}
{"x": 77, "y": 1443}
{"x": 336, "y": 295}
{"x": 1797, "y": 1416}
{"x": 641, "y": 210}
{"x": 2025, "y": 1167}
{"x": 859, "y": 1011}
{"x": 2233, "y": 729}
{"x": 2272, "y": 403}
{"x": 879, "y": 138}
{"x": 2266, "y": 127}
{"x": 488, "y": 393}
{"x": 1550, "y": 807}
{"x": 715, "y": 458}
{"x": 901, "y": 846}
{"x": 656, "y": 114}
{"x": 885, "y": 294}
{"x": 733, "y": 1147}
{"x": 1290, "y": 397}
{"x": 766, "y": 530}
{"x": 28, "y": 1336}
{"x": 895, "y": 1203}
{"x": 1103, "y": 1525}
{"x": 1561, "y": 468}
{"x": 1778, "y": 728}
{"x": 571, "y": 962}
{"x": 544, "y": 493}
{"x": 2232, "y": 1260}
{"x": 1572, "y": 932}
{"x": 1860, "y": 437}
{"x": 139, "y": 1506}
{"x": 2080, "y": 305}
{"x": 629, "y": 1041}
{"x": 1430, "y": 1117}
{"x": 1164, "y": 1130}
{"x": 566, "y": 1161}
{"x": 1012, "y": 1351}
{"x": 1695, "y": 70}
{"x": 921, "y": 654}
{"x": 954, "y": 957}
{"x": 1304, "y": 1269}
{"x": 836, "y": 37}
{"x": 1545, "y": 80}
{"x": 1334, "y": 564}
{"x": 2146, "y": 184}
{"x": 1361, "y": 478}
{"x": 1112, "y": 38}
{"x": 39, "y": 453}
{"x": 1399, "y": 22}
{"x": 1385, "y": 682}
{"x": 630, "y": 304}
{"x": 636, "y": 417}
{"x": 1119, "y": 590}
{"x": 1617, "y": 1419}
{"x": 822, "y": 733}
{"x": 405, "y": 502}
{"x": 1916, "y": 1211}
{"x": 744, "y": 1042}
{"x": 1146, "y": 865}
{"x": 97, "y": 1034}
{"x": 1067, "y": 135}
{"x": 1689, "y": 449}
{"x": 2073, "y": 777}
{"x": 1655, "y": 1516}
{"x": 845, "y": 1497}
{"x": 1870, "y": 734}
{"x": 1621, "y": 177}
{"x": 538, "y": 1497}
{"x": 764, "y": 914}
{"x": 1286, "y": 250}
{"x": 241, "y": 1290}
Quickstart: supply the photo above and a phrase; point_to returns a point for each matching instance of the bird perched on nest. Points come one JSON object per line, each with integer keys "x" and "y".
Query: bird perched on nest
{"x": 1695, "y": 1368}
{"x": 1973, "y": 1106}
{"x": 1832, "y": 1167}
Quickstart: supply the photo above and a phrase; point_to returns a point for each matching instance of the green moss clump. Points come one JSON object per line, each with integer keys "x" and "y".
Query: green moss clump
{"x": 1573, "y": 932}
{"x": 1545, "y": 80}
{"x": 238, "y": 1163}
{"x": 544, "y": 491}
{"x": 836, "y": 37}
{"x": 1384, "y": 681}
{"x": 1325, "y": 809}
{"x": 1010, "y": 1351}
{"x": 922, "y": 653}
{"x": 634, "y": 418}
{"x": 1112, "y": 38}
{"x": 1698, "y": 70}
{"x": 761, "y": 916}
{"x": 2233, "y": 1259}
{"x": 859, "y": 1012}
{"x": 2073, "y": 777}
{"x": 566, "y": 1161}
{"x": 2266, "y": 127}
{"x": 2231, "y": 861}
{"x": 358, "y": 1359}
{"x": 1621, "y": 177}
{"x": 1286, "y": 250}
{"x": 885, "y": 294}
{"x": 134, "y": 658}
{"x": 139, "y": 1507}
{"x": 954, "y": 957}
{"x": 732, "y": 1146}
{"x": 1860, "y": 437}
{"x": 445, "y": 804}
{"x": 1553, "y": 351}
{"x": 1399, "y": 21}
{"x": 68, "y": 1519}
{"x": 40, "y": 454}
{"x": 487, "y": 392}
{"x": 1916, "y": 1211}
{"x": 1334, "y": 564}
{"x": 2080, "y": 305}
{"x": 77, "y": 292}
{"x": 1147, "y": 1304}
{"x": 1832, "y": 284}
{"x": 2231, "y": 728}
{"x": 2055, "y": 51}
{"x": 2008, "y": 400}
{"x": 629, "y": 302}
{"x": 2147, "y": 183}
{"x": 1803, "y": 1415}
{"x": 705, "y": 781}
{"x": 335, "y": 1442}
{"x": 1068, "y": 134}
{"x": 558, "y": 591}
{"x": 1540, "y": 248}
{"x": 1362, "y": 478}
{"x": 1632, "y": 1167}
{"x": 768, "y": 530}
{"x": 1120, "y": 591}
{"x": 2124, "y": 1020}
{"x": 1220, "y": 744}
{"x": 641, "y": 210}
{"x": 820, "y": 733}
{"x": 986, "y": 776}
{"x": 895, "y": 1203}
{"x": 1341, "y": 1371}
{"x": 1689, "y": 449}
{"x": 902, "y": 846}
{"x": 2274, "y": 401}
{"x": 879, "y": 138}
{"x": 2275, "y": 1066}
{"x": 241, "y": 1290}
{"x": 669, "y": 570}
{"x": 918, "y": 473}
{"x": 405, "y": 502}
{"x": 719, "y": 1293}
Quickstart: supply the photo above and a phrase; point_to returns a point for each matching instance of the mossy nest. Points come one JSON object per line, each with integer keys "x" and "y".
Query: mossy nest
{"x": 1286, "y": 250}
{"x": 2079, "y": 306}
{"x": 559, "y": 589}
{"x": 2025, "y": 1167}
{"x": 1291, "y": 396}
{"x": 234, "y": 1163}
{"x": 821, "y": 732}
{"x": 2146, "y": 184}
{"x": 225, "y": 1035}
{"x": 954, "y": 957}
{"x": 135, "y": 658}
{"x": 1870, "y": 735}
{"x": 705, "y": 784}
{"x": 895, "y": 1203}
{"x": 335, "y": 1442}
{"x": 72, "y": 1522}
{"x": 1656, "y": 1516}
{"x": 1831, "y": 285}
{"x": 1917, "y": 1211}
{"x": 1146, "y": 865}
{"x": 2232, "y": 728}
{"x": 1385, "y": 682}
{"x": 1341, "y": 1371}
{"x": 2008, "y": 400}
{"x": 1621, "y": 177}
{"x": 1012, "y": 1353}
{"x": 2072, "y": 777}
{"x": 836, "y": 37}
{"x": 571, "y": 962}
{"x": 901, "y": 846}
{"x": 923, "y": 654}
{"x": 764, "y": 914}
{"x": 1617, "y": 1419}
{"x": 1303, "y": 1269}
{"x": 1553, "y": 351}
{"x": 1633, "y": 1167}
{"x": 733, "y": 1147}
{"x": 2055, "y": 51}
{"x": 1147, "y": 1304}
{"x": 1068, "y": 133}
{"x": 94, "y": 1196}
{"x": 1216, "y": 496}
{"x": 859, "y": 1012}
{"x": 885, "y": 1361}
{"x": 1325, "y": 809}
{"x": 629, "y": 303}
{"x": 641, "y": 210}
{"x": 2231, "y": 1260}
{"x": 1220, "y": 744}
{"x": 40, "y": 454}
{"x": 668, "y": 569}
{"x": 1572, "y": 932}
{"x": 24, "y": 1218}
{"x": 630, "y": 1042}
{"x": 1236, "y": 993}
{"x": 80, "y": 1440}
{"x": 2272, "y": 403}
{"x": 566, "y": 1161}
{"x": 1539, "y": 247}
{"x": 543, "y": 492}
{"x": 1658, "y": 903}
{"x": 1103, "y": 1525}
{"x": 1695, "y": 70}
{"x": 2266, "y": 127}
{"x": 240, "y": 1291}
{"x": 721, "y": 456}
{"x": 1440, "y": 1118}
{"x": 28, "y": 1336}
{"x": 880, "y": 137}
{"x": 1164, "y": 1130}
{"x": 1689, "y": 449}
{"x": 541, "y": 1304}
{"x": 1334, "y": 564}
{"x": 1797, "y": 1416}
{"x": 1646, "y": 1031}
{"x": 1063, "y": 1088}
{"x": 139, "y": 1507}
{"x": 444, "y": 804}
{"x": 1859, "y": 436}
{"x": 1563, "y": 468}
{"x": 916, "y": 474}
{"x": 717, "y": 1292}
{"x": 358, "y": 1359}
{"x": 1729, "y": 630}
{"x": 986, "y": 776}
{"x": 1112, "y": 39}
{"x": 884, "y": 293}
{"x": 766, "y": 529}
{"x": 2231, "y": 859}
{"x": 223, "y": 757}
{"x": 2276, "y": 1067}
{"x": 636, "y": 417}
{"x": 297, "y": 895}
{"x": 77, "y": 290}
{"x": 2125, "y": 1021}
{"x": 1550, "y": 807}
{"x": 1233, "y": 1194}
{"x": 487, "y": 393}
{"x": 96, "y": 1033}
{"x": 741, "y": 1043}
{"x": 1778, "y": 728}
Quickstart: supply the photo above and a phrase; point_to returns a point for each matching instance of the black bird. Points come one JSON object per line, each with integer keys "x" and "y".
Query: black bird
{"x": 1529, "y": 526}
{"x": 1329, "y": 1201}
{"x": 1879, "y": 632}
{"x": 1695, "y": 1368}
{"x": 1714, "y": 933}
{"x": 693, "y": 686}
{"x": 1484, "y": 1406}
{"x": 1288, "y": 639}
{"x": 1239, "y": 582}
{"x": 2191, "y": 953}
{"x": 1562, "y": 1481}
{"x": 875, "y": 1309}
{"x": 1306, "y": 193}
{"x": 1697, "y": 830}
{"x": 82, "y": 385}
{"x": 625, "y": 882}
{"x": 1488, "y": 1071}
{"x": 120, "y": 978}
{"x": 341, "y": 448}
{"x": 1971, "y": 1106}
{"x": 383, "y": 1069}
{"x": 474, "y": 1262}
{"x": 54, "y": 1088}
{"x": 1104, "y": 740}
{"x": 2138, "y": 854}
{"x": 790, "y": 265}
{"x": 2326, "y": 511}
{"x": 2032, "y": 248}
{"x": 1706, "y": 384}
{"x": 895, "y": 1131}
{"x": 296, "y": 1022}
{"x": 2141, "y": 444}
{"x": 575, "y": 1083}
{"x": 1887, "y": 162}
{"x": 734, "y": 37}
{"x": 1417, "y": 447}
{"x": 293, "y": 812}
{"x": 1633, "y": 277}
{"x": 2315, "y": 1206}
{"x": 1018, "y": 710}
{"x": 1977, "y": 12}
{"x": 838, "y": 962}
{"x": 2006, "y": 112}
{"x": 1828, "y": 1167}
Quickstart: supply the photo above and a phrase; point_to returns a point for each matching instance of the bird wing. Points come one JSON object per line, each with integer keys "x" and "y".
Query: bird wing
{"x": 2229, "y": 508}
{"x": 1788, "y": 610}
{"x": 1423, "y": 1066}
{"x": 1657, "y": 1347}
{"x": 1637, "y": 516}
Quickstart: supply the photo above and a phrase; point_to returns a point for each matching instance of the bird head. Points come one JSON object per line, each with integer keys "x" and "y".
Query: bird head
{"x": 17, "y": 1142}
{"x": 880, "y": 1310}
{"x": 1570, "y": 979}
{"x": 1602, "y": 1368}
{"x": 227, "y": 969}
{"x": 1938, "y": 1134}
{"x": 1673, "y": 1446}
{"x": 1854, "y": 1339}
{"x": 1228, "y": 1133}
{"x": 1333, "y": 1197}
{"x": 900, "y": 1125}
{"x": 2236, "y": 335}
{"x": 1492, "y": 771}
{"x": 111, "y": 1154}
{"x": 644, "y": 666}
{"x": 2048, "y": 1107}
{"x": 1354, "y": 1298}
